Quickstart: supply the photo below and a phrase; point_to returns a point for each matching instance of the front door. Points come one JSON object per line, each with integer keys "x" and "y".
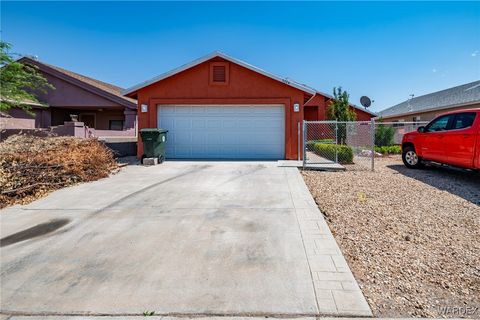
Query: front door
{"x": 88, "y": 120}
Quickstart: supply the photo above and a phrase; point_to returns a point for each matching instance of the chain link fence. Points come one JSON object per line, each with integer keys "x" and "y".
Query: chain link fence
{"x": 400, "y": 128}
{"x": 353, "y": 144}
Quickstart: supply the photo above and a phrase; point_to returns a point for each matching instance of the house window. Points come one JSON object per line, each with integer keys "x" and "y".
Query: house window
{"x": 398, "y": 123}
{"x": 115, "y": 125}
{"x": 219, "y": 72}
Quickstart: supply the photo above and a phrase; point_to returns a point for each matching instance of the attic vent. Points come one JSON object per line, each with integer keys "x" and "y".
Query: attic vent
{"x": 219, "y": 74}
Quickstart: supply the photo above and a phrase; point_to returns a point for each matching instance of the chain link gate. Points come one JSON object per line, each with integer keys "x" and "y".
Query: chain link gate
{"x": 349, "y": 143}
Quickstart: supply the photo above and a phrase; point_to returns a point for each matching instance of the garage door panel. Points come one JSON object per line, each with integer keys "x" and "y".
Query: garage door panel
{"x": 198, "y": 139}
{"x": 183, "y": 110}
{"x": 198, "y": 124}
{"x": 197, "y": 109}
{"x": 229, "y": 123}
{"x": 270, "y": 125}
{"x": 213, "y": 138}
{"x": 182, "y": 124}
{"x": 183, "y": 137}
{"x": 267, "y": 139}
{"x": 224, "y": 132}
{"x": 213, "y": 123}
{"x": 171, "y": 137}
{"x": 182, "y": 151}
{"x": 199, "y": 149}
{"x": 169, "y": 122}
{"x": 167, "y": 109}
{"x": 244, "y": 123}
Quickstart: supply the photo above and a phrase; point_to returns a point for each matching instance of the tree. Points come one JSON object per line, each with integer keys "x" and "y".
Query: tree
{"x": 339, "y": 109}
{"x": 19, "y": 82}
{"x": 384, "y": 135}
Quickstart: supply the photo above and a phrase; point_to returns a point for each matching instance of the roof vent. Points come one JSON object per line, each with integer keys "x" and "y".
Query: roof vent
{"x": 219, "y": 73}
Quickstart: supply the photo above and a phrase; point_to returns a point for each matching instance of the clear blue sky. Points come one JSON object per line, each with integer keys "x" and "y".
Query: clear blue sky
{"x": 381, "y": 49}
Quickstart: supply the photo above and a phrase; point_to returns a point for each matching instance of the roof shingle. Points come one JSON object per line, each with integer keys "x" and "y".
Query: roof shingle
{"x": 460, "y": 95}
{"x": 104, "y": 86}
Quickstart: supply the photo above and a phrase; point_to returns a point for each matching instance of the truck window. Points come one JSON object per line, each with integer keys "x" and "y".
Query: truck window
{"x": 463, "y": 120}
{"x": 439, "y": 124}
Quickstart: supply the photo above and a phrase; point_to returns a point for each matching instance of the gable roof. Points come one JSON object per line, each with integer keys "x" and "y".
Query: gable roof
{"x": 104, "y": 89}
{"x": 462, "y": 95}
{"x": 287, "y": 81}
{"x": 216, "y": 54}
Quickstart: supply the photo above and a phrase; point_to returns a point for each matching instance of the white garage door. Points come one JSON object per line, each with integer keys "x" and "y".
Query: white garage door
{"x": 223, "y": 132}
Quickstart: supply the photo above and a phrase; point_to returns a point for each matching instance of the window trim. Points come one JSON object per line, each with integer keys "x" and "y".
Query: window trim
{"x": 226, "y": 65}
{"x": 455, "y": 119}
{"x": 449, "y": 123}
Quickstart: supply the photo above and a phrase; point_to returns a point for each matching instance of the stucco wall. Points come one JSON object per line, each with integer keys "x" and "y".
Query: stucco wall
{"x": 192, "y": 86}
{"x": 17, "y": 119}
{"x": 322, "y": 104}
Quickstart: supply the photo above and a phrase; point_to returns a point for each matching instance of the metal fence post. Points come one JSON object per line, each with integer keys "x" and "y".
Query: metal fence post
{"x": 299, "y": 145}
{"x": 372, "y": 124}
{"x": 304, "y": 155}
{"x": 336, "y": 141}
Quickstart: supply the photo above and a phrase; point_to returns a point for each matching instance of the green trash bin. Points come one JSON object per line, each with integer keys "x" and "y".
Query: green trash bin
{"x": 154, "y": 143}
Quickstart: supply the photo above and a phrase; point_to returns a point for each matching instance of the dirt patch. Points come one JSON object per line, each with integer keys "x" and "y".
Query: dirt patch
{"x": 31, "y": 167}
{"x": 411, "y": 237}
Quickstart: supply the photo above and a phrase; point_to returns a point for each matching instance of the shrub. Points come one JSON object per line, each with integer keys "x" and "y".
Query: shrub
{"x": 384, "y": 135}
{"x": 388, "y": 150}
{"x": 31, "y": 167}
{"x": 328, "y": 151}
{"x": 311, "y": 143}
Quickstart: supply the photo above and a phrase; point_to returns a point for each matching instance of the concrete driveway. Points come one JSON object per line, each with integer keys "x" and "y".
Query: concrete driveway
{"x": 226, "y": 238}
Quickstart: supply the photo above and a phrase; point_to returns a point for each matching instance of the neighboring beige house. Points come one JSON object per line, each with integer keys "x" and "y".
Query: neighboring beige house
{"x": 427, "y": 107}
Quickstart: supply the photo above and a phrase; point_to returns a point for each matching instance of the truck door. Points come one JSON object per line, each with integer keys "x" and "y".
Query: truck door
{"x": 460, "y": 140}
{"x": 432, "y": 144}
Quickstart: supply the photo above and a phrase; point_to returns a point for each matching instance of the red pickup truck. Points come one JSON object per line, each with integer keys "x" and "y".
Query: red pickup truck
{"x": 452, "y": 138}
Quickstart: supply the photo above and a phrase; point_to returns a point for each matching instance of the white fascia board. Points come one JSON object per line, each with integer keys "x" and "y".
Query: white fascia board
{"x": 226, "y": 57}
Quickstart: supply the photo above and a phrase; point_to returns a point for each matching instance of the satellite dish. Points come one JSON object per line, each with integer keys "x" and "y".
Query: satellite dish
{"x": 365, "y": 101}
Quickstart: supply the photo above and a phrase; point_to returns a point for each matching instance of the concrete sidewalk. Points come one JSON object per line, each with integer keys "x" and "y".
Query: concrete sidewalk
{"x": 225, "y": 238}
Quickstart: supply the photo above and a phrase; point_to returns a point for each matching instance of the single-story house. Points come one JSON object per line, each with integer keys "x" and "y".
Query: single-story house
{"x": 78, "y": 105}
{"x": 223, "y": 108}
{"x": 427, "y": 107}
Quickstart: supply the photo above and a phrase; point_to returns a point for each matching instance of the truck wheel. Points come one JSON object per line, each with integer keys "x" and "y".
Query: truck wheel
{"x": 411, "y": 159}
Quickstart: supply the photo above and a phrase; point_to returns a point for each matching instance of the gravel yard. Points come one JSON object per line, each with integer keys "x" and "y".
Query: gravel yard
{"x": 411, "y": 237}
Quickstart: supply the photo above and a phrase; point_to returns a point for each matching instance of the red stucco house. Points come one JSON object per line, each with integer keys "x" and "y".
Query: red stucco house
{"x": 223, "y": 108}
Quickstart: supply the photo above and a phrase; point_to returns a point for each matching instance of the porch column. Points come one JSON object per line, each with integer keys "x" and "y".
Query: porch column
{"x": 46, "y": 118}
{"x": 130, "y": 119}
{"x": 43, "y": 117}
